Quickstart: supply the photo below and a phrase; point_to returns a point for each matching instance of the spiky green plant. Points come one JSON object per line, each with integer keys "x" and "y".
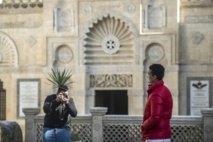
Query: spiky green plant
{"x": 58, "y": 77}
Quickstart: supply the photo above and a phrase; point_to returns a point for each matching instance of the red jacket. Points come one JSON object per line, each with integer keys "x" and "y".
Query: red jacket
{"x": 157, "y": 113}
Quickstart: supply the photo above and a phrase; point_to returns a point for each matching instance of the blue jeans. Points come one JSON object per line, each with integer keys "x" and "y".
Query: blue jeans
{"x": 56, "y": 134}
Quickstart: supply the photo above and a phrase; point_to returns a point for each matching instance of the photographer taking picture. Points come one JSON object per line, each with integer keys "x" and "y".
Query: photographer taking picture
{"x": 58, "y": 110}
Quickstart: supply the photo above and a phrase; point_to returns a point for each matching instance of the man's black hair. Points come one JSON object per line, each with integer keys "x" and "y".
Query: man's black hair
{"x": 158, "y": 70}
{"x": 63, "y": 88}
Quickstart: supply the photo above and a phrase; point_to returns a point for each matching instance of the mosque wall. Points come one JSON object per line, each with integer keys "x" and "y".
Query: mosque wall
{"x": 195, "y": 51}
{"x": 109, "y": 45}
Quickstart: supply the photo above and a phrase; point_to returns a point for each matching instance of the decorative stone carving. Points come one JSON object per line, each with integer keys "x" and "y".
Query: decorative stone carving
{"x": 110, "y": 44}
{"x": 155, "y": 52}
{"x": 87, "y": 9}
{"x": 114, "y": 80}
{"x": 197, "y": 37}
{"x": 108, "y": 35}
{"x": 96, "y": 127}
{"x": 56, "y": 49}
{"x": 130, "y": 8}
{"x": 65, "y": 21}
{"x": 208, "y": 129}
{"x": 156, "y": 16}
{"x": 31, "y": 41}
{"x": 93, "y": 34}
{"x": 21, "y": 4}
{"x": 64, "y": 54}
{"x": 8, "y": 52}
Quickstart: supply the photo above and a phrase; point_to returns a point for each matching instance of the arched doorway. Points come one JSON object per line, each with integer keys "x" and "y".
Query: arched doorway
{"x": 115, "y": 100}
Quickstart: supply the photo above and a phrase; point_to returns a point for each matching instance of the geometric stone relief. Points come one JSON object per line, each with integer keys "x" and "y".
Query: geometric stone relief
{"x": 65, "y": 20}
{"x": 155, "y": 52}
{"x": 20, "y": 4}
{"x": 111, "y": 80}
{"x": 31, "y": 41}
{"x": 96, "y": 126}
{"x": 155, "y": 16}
{"x": 64, "y": 54}
{"x": 110, "y": 44}
{"x": 197, "y": 37}
{"x": 88, "y": 9}
{"x": 108, "y": 41}
{"x": 208, "y": 129}
{"x": 8, "y": 52}
{"x": 130, "y": 8}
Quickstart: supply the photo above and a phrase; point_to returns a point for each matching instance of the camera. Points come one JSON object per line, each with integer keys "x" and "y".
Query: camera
{"x": 65, "y": 95}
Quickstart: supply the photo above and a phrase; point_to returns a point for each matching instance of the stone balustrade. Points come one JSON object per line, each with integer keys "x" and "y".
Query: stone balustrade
{"x": 97, "y": 126}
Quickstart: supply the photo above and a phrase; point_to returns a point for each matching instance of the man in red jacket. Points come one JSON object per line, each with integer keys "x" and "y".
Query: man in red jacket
{"x": 158, "y": 109}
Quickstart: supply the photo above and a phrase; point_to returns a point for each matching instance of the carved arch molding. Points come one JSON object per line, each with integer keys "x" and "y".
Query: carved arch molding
{"x": 110, "y": 39}
{"x": 8, "y": 51}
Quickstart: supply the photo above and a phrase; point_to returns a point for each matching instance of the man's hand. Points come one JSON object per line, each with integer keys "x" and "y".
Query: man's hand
{"x": 65, "y": 99}
{"x": 59, "y": 97}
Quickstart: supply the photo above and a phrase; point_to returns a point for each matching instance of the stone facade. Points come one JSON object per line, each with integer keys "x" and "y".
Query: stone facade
{"x": 108, "y": 44}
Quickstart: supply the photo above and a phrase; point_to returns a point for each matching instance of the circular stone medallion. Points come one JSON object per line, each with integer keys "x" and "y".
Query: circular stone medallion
{"x": 155, "y": 53}
{"x": 110, "y": 44}
{"x": 65, "y": 54}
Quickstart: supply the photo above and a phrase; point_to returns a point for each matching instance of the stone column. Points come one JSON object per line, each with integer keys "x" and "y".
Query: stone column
{"x": 207, "y": 124}
{"x": 97, "y": 123}
{"x": 30, "y": 132}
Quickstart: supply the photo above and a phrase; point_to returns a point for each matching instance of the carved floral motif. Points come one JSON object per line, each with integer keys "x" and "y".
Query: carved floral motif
{"x": 113, "y": 80}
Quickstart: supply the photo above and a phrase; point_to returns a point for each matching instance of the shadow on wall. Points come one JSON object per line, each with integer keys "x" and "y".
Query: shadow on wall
{"x": 10, "y": 131}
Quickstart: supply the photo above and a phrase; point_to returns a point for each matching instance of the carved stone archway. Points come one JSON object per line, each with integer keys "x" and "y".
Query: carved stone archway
{"x": 110, "y": 39}
{"x": 8, "y": 51}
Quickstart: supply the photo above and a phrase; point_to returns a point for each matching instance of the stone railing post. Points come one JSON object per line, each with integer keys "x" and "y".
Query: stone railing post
{"x": 97, "y": 123}
{"x": 207, "y": 124}
{"x": 30, "y": 114}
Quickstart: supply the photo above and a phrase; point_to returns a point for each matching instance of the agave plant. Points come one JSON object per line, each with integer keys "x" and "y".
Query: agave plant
{"x": 58, "y": 77}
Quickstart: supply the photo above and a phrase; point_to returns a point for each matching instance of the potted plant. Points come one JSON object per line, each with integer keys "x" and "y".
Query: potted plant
{"x": 76, "y": 137}
{"x": 58, "y": 77}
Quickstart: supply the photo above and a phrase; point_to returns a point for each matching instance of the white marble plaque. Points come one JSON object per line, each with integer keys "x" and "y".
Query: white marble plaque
{"x": 199, "y": 96}
{"x": 28, "y": 95}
